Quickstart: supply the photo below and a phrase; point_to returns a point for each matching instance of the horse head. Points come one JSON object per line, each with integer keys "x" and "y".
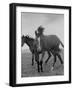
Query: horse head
{"x": 37, "y": 34}
{"x": 40, "y": 30}
{"x": 24, "y": 38}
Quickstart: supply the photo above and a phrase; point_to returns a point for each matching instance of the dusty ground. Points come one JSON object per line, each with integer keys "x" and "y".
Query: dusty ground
{"x": 27, "y": 70}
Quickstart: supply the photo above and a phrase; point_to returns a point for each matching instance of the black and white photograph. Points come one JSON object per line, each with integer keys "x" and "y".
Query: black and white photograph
{"x": 41, "y": 46}
{"x": 42, "y": 51}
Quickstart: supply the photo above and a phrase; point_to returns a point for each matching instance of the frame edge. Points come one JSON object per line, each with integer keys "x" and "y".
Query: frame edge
{"x": 12, "y": 42}
{"x": 12, "y": 64}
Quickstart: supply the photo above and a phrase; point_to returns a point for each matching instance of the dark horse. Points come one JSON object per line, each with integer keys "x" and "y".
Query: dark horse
{"x": 49, "y": 43}
{"x": 32, "y": 43}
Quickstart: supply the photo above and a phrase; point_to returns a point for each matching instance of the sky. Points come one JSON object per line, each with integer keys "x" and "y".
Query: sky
{"x": 53, "y": 24}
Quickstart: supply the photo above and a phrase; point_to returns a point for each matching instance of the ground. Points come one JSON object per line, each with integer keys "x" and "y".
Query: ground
{"x": 27, "y": 70}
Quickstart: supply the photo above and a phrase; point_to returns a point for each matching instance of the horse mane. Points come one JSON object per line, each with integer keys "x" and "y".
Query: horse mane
{"x": 22, "y": 36}
{"x": 30, "y": 38}
{"x": 40, "y": 29}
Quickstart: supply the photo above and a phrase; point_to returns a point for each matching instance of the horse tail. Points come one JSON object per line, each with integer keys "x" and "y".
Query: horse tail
{"x": 62, "y": 44}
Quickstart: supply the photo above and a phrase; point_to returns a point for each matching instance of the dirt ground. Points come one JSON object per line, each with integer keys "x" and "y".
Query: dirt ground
{"x": 27, "y": 70}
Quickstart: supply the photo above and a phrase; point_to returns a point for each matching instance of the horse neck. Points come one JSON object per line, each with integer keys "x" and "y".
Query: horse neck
{"x": 41, "y": 36}
{"x": 29, "y": 43}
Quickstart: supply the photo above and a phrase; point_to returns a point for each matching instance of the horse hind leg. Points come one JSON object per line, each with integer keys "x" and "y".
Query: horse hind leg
{"x": 49, "y": 55}
{"x": 60, "y": 58}
{"x": 54, "y": 62}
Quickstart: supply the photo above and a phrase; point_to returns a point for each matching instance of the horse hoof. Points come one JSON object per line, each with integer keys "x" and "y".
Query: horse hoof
{"x": 41, "y": 70}
{"x": 62, "y": 63}
{"x": 32, "y": 64}
{"x": 38, "y": 71}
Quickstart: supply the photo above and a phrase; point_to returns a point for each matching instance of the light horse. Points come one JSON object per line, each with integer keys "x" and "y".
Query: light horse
{"x": 49, "y": 43}
{"x": 32, "y": 43}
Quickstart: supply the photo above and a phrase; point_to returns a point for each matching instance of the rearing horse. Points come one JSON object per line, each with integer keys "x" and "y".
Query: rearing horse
{"x": 49, "y": 43}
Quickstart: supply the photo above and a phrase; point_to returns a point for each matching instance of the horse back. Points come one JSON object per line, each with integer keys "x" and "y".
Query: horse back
{"x": 49, "y": 41}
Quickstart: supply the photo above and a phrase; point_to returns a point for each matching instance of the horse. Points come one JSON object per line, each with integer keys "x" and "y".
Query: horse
{"x": 49, "y": 43}
{"x": 32, "y": 43}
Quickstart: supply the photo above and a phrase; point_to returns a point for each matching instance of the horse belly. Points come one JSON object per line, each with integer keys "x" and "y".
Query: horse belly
{"x": 51, "y": 43}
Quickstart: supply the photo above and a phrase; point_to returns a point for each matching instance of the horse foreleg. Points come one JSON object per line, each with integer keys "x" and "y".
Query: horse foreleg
{"x": 38, "y": 66}
{"x": 41, "y": 66}
{"x": 49, "y": 55}
{"x": 32, "y": 59}
{"x": 37, "y": 60}
{"x": 41, "y": 61}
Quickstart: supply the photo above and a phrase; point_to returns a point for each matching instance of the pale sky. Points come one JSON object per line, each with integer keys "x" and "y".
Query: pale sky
{"x": 53, "y": 24}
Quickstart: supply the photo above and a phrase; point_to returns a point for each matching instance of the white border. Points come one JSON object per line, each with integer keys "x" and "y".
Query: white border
{"x": 24, "y": 80}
